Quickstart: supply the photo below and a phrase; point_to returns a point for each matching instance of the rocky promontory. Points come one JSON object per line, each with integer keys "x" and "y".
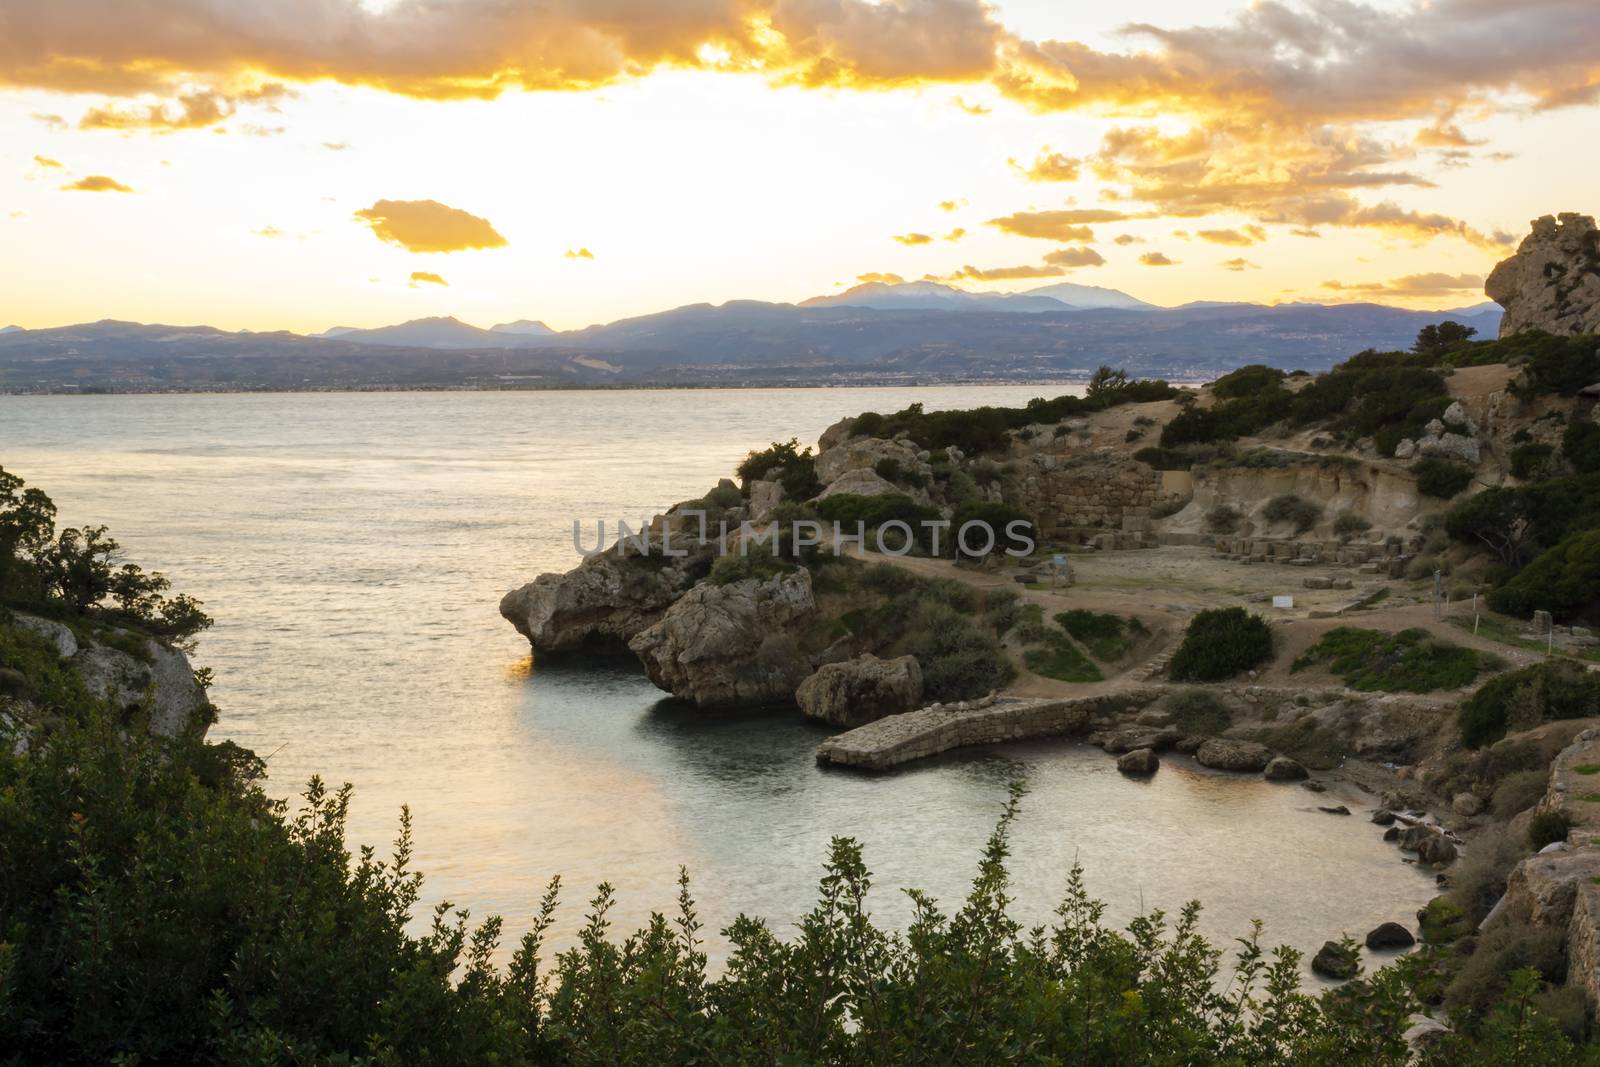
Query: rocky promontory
{"x": 1553, "y": 281}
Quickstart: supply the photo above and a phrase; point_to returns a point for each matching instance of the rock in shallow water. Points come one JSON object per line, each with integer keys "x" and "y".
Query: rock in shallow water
{"x": 1390, "y": 935}
{"x": 1226, "y": 754}
{"x": 1334, "y": 961}
{"x": 1139, "y": 762}
{"x": 1284, "y": 769}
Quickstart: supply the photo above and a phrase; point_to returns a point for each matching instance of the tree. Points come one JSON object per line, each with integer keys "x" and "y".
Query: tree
{"x": 78, "y": 565}
{"x": 27, "y": 522}
{"x": 1106, "y": 383}
{"x": 1436, "y": 339}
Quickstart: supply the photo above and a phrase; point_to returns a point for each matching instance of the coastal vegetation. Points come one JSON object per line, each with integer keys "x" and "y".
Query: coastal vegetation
{"x": 1219, "y": 644}
{"x": 1411, "y": 661}
{"x": 1557, "y": 689}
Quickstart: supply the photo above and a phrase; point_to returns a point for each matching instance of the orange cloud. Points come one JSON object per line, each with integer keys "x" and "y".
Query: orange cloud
{"x": 429, "y": 226}
{"x": 190, "y": 111}
{"x": 1238, "y": 264}
{"x": 1414, "y": 285}
{"x": 881, "y": 277}
{"x": 97, "y": 183}
{"x": 1052, "y": 225}
{"x": 951, "y": 205}
{"x": 1129, "y": 239}
{"x": 578, "y": 253}
{"x": 956, "y": 234}
{"x": 1074, "y": 257}
{"x": 272, "y": 233}
{"x": 1052, "y": 167}
{"x": 913, "y": 238}
{"x": 424, "y": 277}
{"x": 46, "y": 161}
{"x": 1157, "y": 259}
{"x": 1000, "y": 274}
{"x": 1247, "y": 235}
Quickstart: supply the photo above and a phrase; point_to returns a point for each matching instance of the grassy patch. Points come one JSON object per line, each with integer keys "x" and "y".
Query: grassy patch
{"x": 1587, "y": 768}
{"x": 1315, "y": 746}
{"x": 1411, "y": 661}
{"x": 1107, "y": 637}
{"x": 1060, "y": 659}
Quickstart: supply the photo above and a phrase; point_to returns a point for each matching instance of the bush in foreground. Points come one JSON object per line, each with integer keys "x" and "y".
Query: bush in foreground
{"x": 1219, "y": 644}
{"x": 1440, "y": 478}
{"x": 1301, "y": 513}
{"x": 1564, "y": 581}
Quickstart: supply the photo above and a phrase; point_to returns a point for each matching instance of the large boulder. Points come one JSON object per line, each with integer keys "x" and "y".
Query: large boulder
{"x": 1227, "y": 754}
{"x": 731, "y": 645}
{"x": 865, "y": 453}
{"x": 859, "y": 482}
{"x": 1390, "y": 935}
{"x": 764, "y": 496}
{"x": 860, "y": 690}
{"x": 1553, "y": 281}
{"x": 1333, "y": 960}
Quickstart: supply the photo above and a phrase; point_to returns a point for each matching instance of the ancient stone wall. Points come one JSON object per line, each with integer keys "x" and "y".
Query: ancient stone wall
{"x": 1099, "y": 490}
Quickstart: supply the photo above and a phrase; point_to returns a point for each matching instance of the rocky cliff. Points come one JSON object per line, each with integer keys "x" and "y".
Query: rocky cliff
{"x": 1553, "y": 282}
{"x": 132, "y": 674}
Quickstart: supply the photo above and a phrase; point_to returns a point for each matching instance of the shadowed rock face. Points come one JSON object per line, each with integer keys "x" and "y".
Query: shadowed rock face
{"x": 608, "y": 596}
{"x": 1553, "y": 282}
{"x": 861, "y": 690}
{"x": 731, "y": 645}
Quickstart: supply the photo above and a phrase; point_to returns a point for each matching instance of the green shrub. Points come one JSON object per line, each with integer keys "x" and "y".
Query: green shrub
{"x": 724, "y": 497}
{"x": 1518, "y": 792}
{"x": 1001, "y": 519}
{"x": 1411, "y": 661}
{"x": 1564, "y": 581}
{"x": 1197, "y": 712}
{"x": 1223, "y": 519}
{"x": 1505, "y": 947}
{"x": 1525, "y": 698}
{"x": 1221, "y": 643}
{"x": 1003, "y": 608}
{"x": 1246, "y": 381}
{"x": 1532, "y": 461}
{"x": 1443, "y": 921}
{"x": 1441, "y": 478}
{"x": 872, "y": 512}
{"x": 1347, "y": 524}
{"x": 958, "y": 660}
{"x": 1547, "y": 828}
{"x": 1303, "y": 514}
{"x": 1580, "y": 444}
{"x": 1478, "y": 878}
{"x": 1105, "y": 636}
{"x": 795, "y": 468}
{"x": 1060, "y": 659}
{"x": 758, "y": 565}
{"x": 1550, "y": 365}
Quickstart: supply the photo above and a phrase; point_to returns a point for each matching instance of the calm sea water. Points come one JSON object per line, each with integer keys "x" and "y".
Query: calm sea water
{"x": 354, "y": 548}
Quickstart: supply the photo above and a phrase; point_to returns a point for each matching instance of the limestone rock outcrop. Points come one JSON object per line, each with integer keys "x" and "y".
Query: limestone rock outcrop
{"x": 616, "y": 593}
{"x": 159, "y": 680}
{"x": 1284, "y": 769}
{"x": 1140, "y": 761}
{"x": 731, "y": 645}
{"x": 1543, "y": 889}
{"x": 860, "y": 690}
{"x": 865, "y": 453}
{"x": 861, "y": 481}
{"x": 1553, "y": 281}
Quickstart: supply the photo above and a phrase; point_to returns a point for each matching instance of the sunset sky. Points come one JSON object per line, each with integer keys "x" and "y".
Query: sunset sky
{"x": 301, "y": 164}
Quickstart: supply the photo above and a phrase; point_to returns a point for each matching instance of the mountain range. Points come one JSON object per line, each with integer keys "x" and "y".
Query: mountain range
{"x": 873, "y": 333}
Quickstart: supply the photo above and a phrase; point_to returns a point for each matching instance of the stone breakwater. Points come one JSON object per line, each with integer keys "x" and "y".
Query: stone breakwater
{"x": 939, "y": 728}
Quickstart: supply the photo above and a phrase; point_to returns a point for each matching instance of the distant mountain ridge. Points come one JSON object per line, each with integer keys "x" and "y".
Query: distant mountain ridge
{"x": 923, "y": 332}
